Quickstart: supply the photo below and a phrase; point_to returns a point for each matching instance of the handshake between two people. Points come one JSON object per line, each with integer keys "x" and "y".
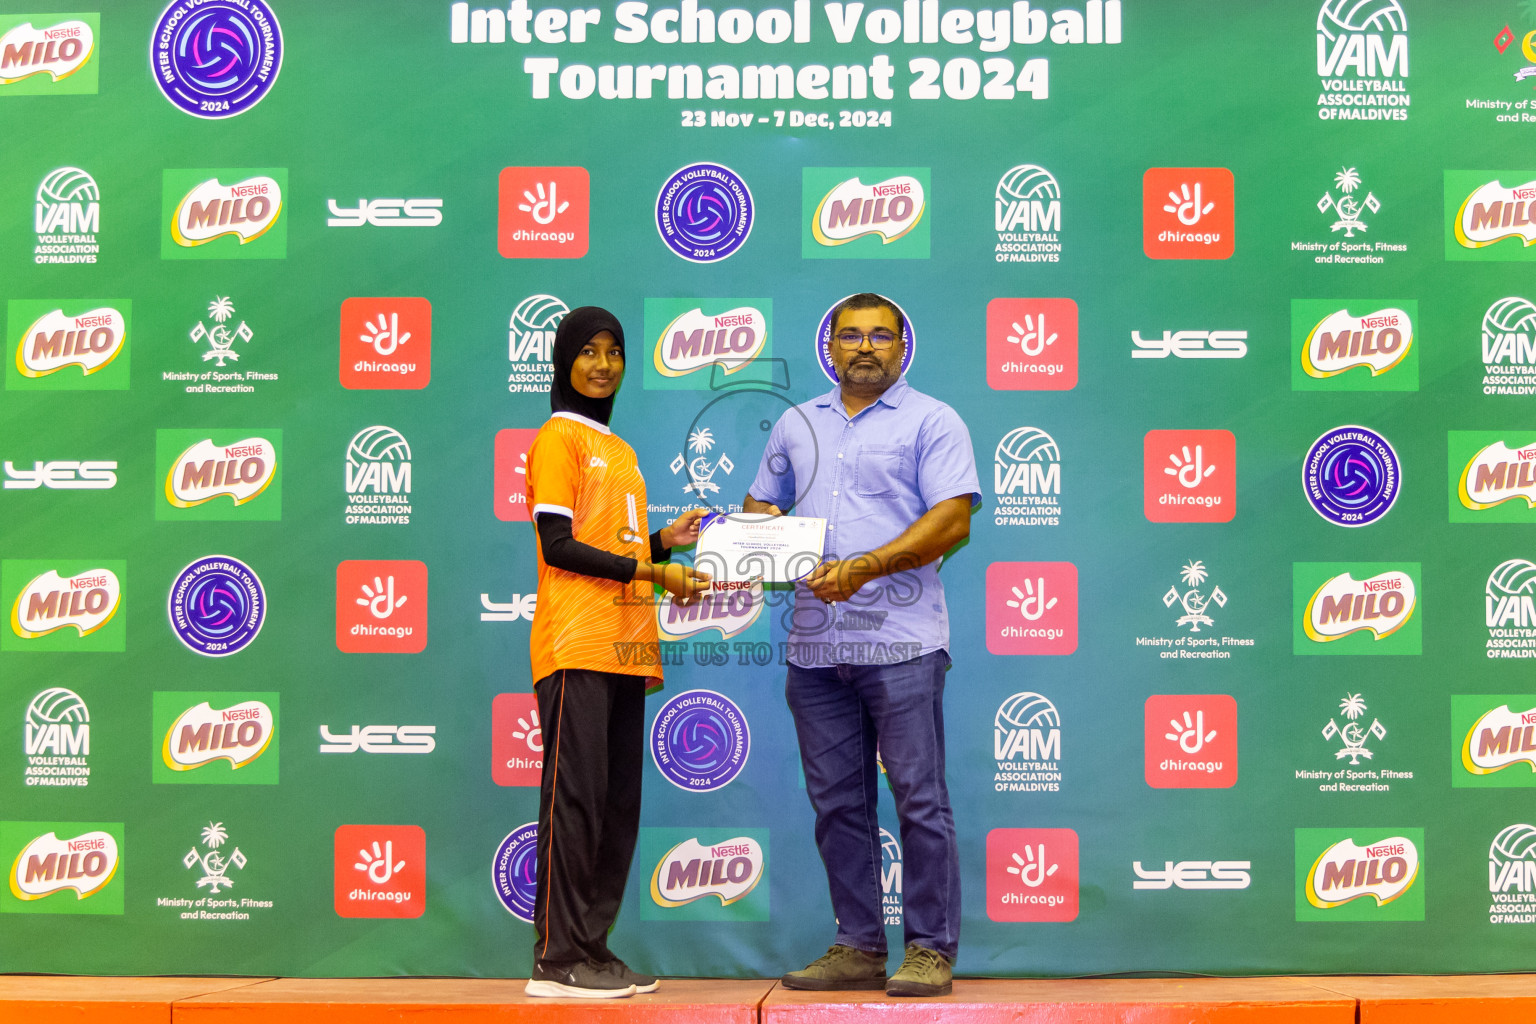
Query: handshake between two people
{"x": 683, "y": 582}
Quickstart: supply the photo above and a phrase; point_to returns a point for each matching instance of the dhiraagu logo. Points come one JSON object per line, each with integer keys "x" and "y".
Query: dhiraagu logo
{"x": 699, "y": 344}
{"x": 705, "y": 875}
{"x": 865, "y": 213}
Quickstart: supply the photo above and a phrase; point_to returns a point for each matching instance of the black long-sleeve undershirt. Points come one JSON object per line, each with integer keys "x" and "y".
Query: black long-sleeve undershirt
{"x": 562, "y": 550}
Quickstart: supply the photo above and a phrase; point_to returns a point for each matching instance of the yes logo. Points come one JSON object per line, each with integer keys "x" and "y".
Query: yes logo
{"x": 68, "y": 346}
{"x": 1190, "y": 476}
{"x": 1357, "y": 608}
{"x": 381, "y": 607}
{"x": 224, "y": 214}
{"x": 1191, "y": 741}
{"x": 1187, "y": 213}
{"x": 62, "y": 867}
{"x": 1333, "y": 349}
{"x": 197, "y": 468}
{"x": 51, "y": 58}
{"x": 381, "y": 871}
{"x": 542, "y": 212}
{"x": 1032, "y": 874}
{"x": 517, "y": 740}
{"x": 1031, "y": 607}
{"x": 1359, "y": 875}
{"x": 869, "y": 213}
{"x": 386, "y": 343}
{"x": 63, "y": 606}
{"x": 1031, "y": 344}
{"x": 1494, "y": 739}
{"x": 215, "y": 738}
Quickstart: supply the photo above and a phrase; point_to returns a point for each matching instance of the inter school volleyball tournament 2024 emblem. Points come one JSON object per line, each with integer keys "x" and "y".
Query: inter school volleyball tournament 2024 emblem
{"x": 217, "y": 606}
{"x": 1352, "y": 476}
{"x": 704, "y": 212}
{"x": 216, "y": 58}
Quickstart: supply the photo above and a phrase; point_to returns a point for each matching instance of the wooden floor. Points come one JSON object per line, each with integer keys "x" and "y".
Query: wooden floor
{"x": 27, "y": 999}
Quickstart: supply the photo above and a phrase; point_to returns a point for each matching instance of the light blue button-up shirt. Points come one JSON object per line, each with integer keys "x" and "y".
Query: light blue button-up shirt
{"x": 870, "y": 477}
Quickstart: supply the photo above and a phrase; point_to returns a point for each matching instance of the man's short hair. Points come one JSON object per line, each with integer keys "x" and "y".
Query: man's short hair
{"x": 869, "y": 300}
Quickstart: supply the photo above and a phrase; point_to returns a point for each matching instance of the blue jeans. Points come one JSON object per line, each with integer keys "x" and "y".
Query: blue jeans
{"x": 841, "y": 713}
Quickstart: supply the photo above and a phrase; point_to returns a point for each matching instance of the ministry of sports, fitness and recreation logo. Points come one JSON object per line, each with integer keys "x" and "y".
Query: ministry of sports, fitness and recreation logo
{"x": 1334, "y": 349}
{"x": 378, "y": 477}
{"x": 531, "y": 343}
{"x": 704, "y": 212}
{"x": 198, "y": 470}
{"x": 217, "y": 606}
{"x": 865, "y": 213}
{"x": 1352, "y": 476}
{"x": 706, "y": 875}
{"x": 47, "y": 58}
{"x": 1356, "y": 608}
{"x": 700, "y": 740}
{"x": 1509, "y": 609}
{"x": 57, "y": 739}
{"x": 1026, "y": 213}
{"x": 514, "y": 871}
{"x": 1026, "y": 745}
{"x": 1512, "y": 875}
{"x": 1362, "y": 61}
{"x": 214, "y": 866}
{"x": 67, "y": 217}
{"x": 1354, "y": 734}
{"x": 1359, "y": 874}
{"x": 1509, "y": 347}
{"x": 216, "y": 58}
{"x": 824, "y": 341}
{"x": 50, "y": 858}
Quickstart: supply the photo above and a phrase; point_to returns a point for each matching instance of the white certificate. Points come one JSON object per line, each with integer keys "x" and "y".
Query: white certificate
{"x": 743, "y": 546}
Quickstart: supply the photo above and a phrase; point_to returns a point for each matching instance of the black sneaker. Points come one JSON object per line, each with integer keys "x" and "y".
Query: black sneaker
{"x": 643, "y": 982}
{"x": 582, "y": 980}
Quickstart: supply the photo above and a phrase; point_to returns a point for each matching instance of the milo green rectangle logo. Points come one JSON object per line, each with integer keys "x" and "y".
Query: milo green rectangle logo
{"x": 224, "y": 214}
{"x": 1493, "y": 741}
{"x": 1490, "y": 215}
{"x": 48, "y": 54}
{"x": 214, "y": 738}
{"x": 62, "y": 867}
{"x": 864, "y": 213}
{"x": 1356, "y": 608}
{"x": 711, "y": 874}
{"x": 1492, "y": 476}
{"x": 1360, "y": 874}
{"x": 700, "y": 344}
{"x": 203, "y": 475}
{"x": 67, "y": 344}
{"x": 71, "y": 604}
{"x": 1354, "y": 345}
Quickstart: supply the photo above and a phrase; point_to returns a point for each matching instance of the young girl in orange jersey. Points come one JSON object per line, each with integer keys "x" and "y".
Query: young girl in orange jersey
{"x": 595, "y": 654}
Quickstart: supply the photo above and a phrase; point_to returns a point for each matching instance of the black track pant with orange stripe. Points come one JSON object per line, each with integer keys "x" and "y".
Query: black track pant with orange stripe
{"x": 589, "y": 808}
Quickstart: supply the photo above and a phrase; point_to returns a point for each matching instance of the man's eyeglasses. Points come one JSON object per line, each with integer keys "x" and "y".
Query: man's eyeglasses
{"x": 853, "y": 339}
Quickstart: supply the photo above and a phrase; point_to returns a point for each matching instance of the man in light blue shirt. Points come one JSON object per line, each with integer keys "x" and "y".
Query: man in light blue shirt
{"x": 892, "y": 472}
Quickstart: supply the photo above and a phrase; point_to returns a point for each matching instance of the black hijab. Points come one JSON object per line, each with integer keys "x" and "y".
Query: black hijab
{"x": 578, "y": 327}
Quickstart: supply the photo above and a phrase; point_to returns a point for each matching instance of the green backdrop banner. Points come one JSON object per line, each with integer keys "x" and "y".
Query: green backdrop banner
{"x": 1235, "y": 301}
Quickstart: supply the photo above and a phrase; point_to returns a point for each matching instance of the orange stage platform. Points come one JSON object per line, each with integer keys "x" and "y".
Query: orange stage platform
{"x": 1415, "y": 1000}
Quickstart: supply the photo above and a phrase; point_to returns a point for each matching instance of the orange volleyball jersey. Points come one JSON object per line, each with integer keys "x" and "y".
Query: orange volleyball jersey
{"x": 579, "y": 468}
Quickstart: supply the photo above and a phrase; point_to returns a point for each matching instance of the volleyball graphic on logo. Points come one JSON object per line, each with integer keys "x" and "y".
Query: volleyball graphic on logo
{"x": 1027, "y": 711}
{"x": 1513, "y": 315}
{"x": 1340, "y": 16}
{"x": 1512, "y": 578}
{"x": 217, "y": 606}
{"x": 514, "y": 873}
{"x": 216, "y": 58}
{"x": 378, "y": 444}
{"x": 1517, "y": 842}
{"x": 1352, "y": 476}
{"x": 537, "y": 313}
{"x": 68, "y": 185}
{"x": 55, "y": 705}
{"x": 1028, "y": 444}
{"x": 1027, "y": 181}
{"x": 700, "y": 741}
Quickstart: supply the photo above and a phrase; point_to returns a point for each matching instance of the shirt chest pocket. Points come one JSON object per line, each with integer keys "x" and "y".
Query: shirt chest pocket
{"x": 879, "y": 470}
